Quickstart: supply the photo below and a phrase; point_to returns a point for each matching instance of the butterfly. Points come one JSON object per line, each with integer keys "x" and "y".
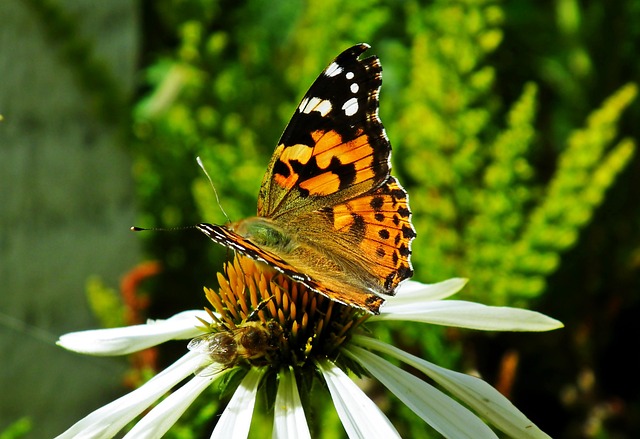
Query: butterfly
{"x": 330, "y": 215}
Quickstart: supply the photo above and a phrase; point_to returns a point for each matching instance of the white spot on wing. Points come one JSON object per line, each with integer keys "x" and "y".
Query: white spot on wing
{"x": 354, "y": 88}
{"x": 333, "y": 70}
{"x": 323, "y": 106}
{"x": 350, "y": 75}
{"x": 350, "y": 107}
{"x": 303, "y": 105}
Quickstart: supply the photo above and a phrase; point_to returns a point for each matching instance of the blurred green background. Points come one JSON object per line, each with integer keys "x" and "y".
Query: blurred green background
{"x": 514, "y": 127}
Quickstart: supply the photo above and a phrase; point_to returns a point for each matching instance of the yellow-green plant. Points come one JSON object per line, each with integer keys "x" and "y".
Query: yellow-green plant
{"x": 478, "y": 207}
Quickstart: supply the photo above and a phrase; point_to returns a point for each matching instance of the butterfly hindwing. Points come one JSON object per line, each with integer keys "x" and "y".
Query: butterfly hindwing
{"x": 369, "y": 237}
{"x": 228, "y": 238}
{"x": 387, "y": 232}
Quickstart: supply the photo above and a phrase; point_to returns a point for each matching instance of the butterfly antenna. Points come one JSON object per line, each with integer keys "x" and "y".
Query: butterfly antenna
{"x": 159, "y": 229}
{"x": 23, "y": 328}
{"x": 213, "y": 187}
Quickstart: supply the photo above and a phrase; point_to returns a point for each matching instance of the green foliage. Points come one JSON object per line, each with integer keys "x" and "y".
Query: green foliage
{"x": 586, "y": 169}
{"x": 106, "y": 303}
{"x": 440, "y": 123}
{"x": 478, "y": 210}
{"x": 493, "y": 224}
{"x": 17, "y": 430}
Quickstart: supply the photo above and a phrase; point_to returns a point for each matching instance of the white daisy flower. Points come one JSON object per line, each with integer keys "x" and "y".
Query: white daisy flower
{"x": 270, "y": 328}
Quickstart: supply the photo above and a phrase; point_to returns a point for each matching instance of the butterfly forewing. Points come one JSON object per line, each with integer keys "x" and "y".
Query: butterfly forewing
{"x": 335, "y": 145}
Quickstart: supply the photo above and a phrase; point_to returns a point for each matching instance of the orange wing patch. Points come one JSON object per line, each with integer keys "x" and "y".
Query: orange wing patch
{"x": 289, "y": 155}
{"x": 330, "y": 145}
{"x": 338, "y": 164}
{"x": 380, "y": 223}
{"x": 329, "y": 166}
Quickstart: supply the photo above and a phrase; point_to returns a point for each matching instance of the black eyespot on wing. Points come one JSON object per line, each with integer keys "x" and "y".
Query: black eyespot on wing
{"x": 408, "y": 232}
{"x": 377, "y": 203}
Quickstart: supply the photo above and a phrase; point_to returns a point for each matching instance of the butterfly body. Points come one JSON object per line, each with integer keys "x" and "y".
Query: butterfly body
{"x": 330, "y": 215}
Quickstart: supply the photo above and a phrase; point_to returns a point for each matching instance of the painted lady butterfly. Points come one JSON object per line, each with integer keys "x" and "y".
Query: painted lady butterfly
{"x": 330, "y": 215}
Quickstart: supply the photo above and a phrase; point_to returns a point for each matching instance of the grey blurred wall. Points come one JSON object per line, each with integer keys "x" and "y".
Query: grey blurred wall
{"x": 66, "y": 202}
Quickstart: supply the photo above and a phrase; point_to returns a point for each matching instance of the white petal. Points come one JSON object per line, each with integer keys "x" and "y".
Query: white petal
{"x": 289, "y": 420}
{"x": 159, "y": 420}
{"x": 360, "y": 417}
{"x": 474, "y": 392}
{"x": 236, "y": 418}
{"x": 108, "y": 420}
{"x": 412, "y": 292}
{"x": 444, "y": 414}
{"x": 121, "y": 341}
{"x": 469, "y": 315}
